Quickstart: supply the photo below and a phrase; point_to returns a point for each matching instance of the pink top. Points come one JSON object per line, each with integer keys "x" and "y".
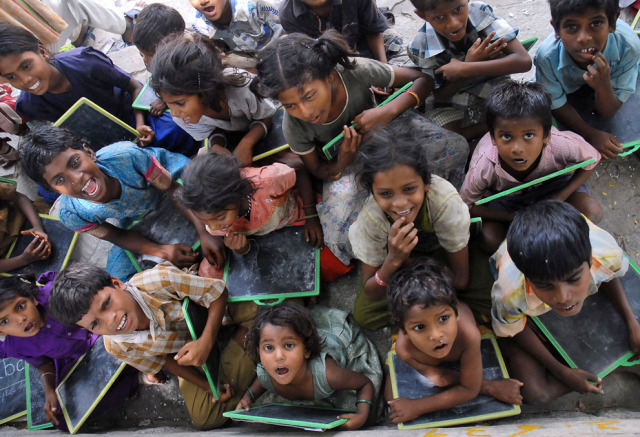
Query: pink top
{"x": 486, "y": 175}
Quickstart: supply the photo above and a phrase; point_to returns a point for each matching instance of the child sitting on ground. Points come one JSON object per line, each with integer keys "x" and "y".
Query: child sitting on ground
{"x": 435, "y": 328}
{"x": 553, "y": 259}
{"x": 143, "y": 325}
{"x": 590, "y": 46}
{"x": 466, "y": 50}
{"x": 522, "y": 146}
{"x": 317, "y": 355}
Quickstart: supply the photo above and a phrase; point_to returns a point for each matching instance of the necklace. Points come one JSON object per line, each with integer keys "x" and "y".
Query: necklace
{"x": 248, "y": 212}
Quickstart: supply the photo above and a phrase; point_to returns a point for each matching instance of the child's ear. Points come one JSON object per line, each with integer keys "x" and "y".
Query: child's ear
{"x": 118, "y": 284}
{"x": 307, "y": 354}
{"x": 554, "y": 29}
{"x": 420, "y": 14}
{"x": 612, "y": 25}
{"x": 89, "y": 151}
{"x": 42, "y": 50}
{"x": 545, "y": 139}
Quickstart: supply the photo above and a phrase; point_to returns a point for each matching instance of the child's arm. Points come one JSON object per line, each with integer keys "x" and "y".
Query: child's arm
{"x": 148, "y": 135}
{"x": 333, "y": 169}
{"x": 375, "y": 41}
{"x": 192, "y": 375}
{"x": 614, "y": 291}
{"x": 459, "y": 265}
{"x": 27, "y": 208}
{"x": 607, "y": 103}
{"x": 579, "y": 177}
{"x": 489, "y": 213}
{"x": 254, "y": 391}
{"x": 157, "y": 107}
{"x": 47, "y": 373}
{"x": 345, "y": 379}
{"x": 244, "y": 150}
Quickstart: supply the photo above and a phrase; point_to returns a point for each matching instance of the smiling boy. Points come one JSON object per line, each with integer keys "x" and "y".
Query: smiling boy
{"x": 591, "y": 47}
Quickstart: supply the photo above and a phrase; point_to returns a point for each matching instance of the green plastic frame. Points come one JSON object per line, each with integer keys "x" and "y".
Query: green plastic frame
{"x": 28, "y": 381}
{"x": 136, "y": 103}
{"x": 237, "y": 415}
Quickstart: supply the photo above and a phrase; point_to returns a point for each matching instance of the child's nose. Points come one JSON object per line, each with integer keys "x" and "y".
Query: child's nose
{"x": 584, "y": 36}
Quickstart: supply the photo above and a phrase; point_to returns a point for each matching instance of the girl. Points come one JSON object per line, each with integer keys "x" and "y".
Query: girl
{"x": 408, "y": 209}
{"x": 323, "y": 91}
{"x": 235, "y": 202}
{"x": 52, "y": 85}
{"x": 295, "y": 362}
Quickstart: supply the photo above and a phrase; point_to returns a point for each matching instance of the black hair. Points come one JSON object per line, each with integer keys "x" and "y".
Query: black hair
{"x": 295, "y": 59}
{"x": 289, "y": 315}
{"x": 17, "y": 286}
{"x": 73, "y": 291}
{"x": 395, "y": 145}
{"x": 421, "y": 281}
{"x": 428, "y": 5}
{"x": 191, "y": 65}
{"x": 42, "y": 144}
{"x": 16, "y": 39}
{"x": 514, "y": 99}
{"x": 213, "y": 181}
{"x": 561, "y": 8}
{"x": 155, "y": 22}
{"x": 549, "y": 240}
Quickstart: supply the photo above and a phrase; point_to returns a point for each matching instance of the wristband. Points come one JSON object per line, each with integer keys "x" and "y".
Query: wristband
{"x": 310, "y": 216}
{"x": 223, "y": 136}
{"x": 264, "y": 126}
{"x": 337, "y": 176}
{"x": 363, "y": 401}
{"x": 379, "y": 281}
{"x": 253, "y": 397}
{"x": 246, "y": 251}
{"x": 46, "y": 373}
{"x": 415, "y": 96}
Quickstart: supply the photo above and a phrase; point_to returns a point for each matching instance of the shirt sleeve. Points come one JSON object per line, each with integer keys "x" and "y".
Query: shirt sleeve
{"x": 486, "y": 22}
{"x": 370, "y": 18}
{"x": 267, "y": 16}
{"x": 253, "y": 108}
{"x": 625, "y": 75}
{"x": 140, "y": 359}
{"x": 545, "y": 76}
{"x": 476, "y": 183}
{"x": 507, "y": 319}
{"x": 417, "y": 53}
{"x": 73, "y": 216}
{"x": 197, "y": 288}
{"x": 374, "y": 73}
{"x": 450, "y": 215}
{"x": 101, "y": 68}
{"x": 277, "y": 179}
{"x": 368, "y": 235}
{"x": 296, "y": 135}
{"x": 147, "y": 163}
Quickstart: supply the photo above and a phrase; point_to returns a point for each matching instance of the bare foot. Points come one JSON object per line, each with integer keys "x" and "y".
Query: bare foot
{"x": 151, "y": 379}
{"x": 505, "y": 390}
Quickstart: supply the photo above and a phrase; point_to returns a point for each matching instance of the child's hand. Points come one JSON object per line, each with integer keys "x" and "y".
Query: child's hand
{"x": 224, "y": 394}
{"x": 634, "y": 338}
{"x": 213, "y": 249}
{"x": 179, "y": 255}
{"x": 403, "y": 238}
{"x": 194, "y": 353}
{"x": 600, "y": 77}
{"x": 158, "y": 106}
{"x": 504, "y": 390}
{"x": 244, "y": 155}
{"x": 374, "y": 117}
{"x": 51, "y": 406}
{"x": 36, "y": 233}
{"x": 580, "y": 380}
{"x": 236, "y": 241}
{"x": 354, "y": 420}
{"x": 453, "y": 71}
{"x": 349, "y": 146}
{"x": 245, "y": 402}
{"x": 313, "y": 232}
{"x": 147, "y": 133}
{"x": 484, "y": 50}
{"x": 37, "y": 250}
{"x": 403, "y": 410}
{"x": 607, "y": 144}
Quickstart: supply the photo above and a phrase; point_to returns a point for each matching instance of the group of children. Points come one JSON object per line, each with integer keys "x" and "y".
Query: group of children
{"x": 389, "y": 195}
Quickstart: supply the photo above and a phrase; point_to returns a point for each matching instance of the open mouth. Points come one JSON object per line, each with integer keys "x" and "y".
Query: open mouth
{"x": 187, "y": 120}
{"x": 30, "y": 327}
{"x": 457, "y": 33}
{"x": 91, "y": 187}
{"x": 123, "y": 323}
{"x": 315, "y": 119}
{"x": 440, "y": 348}
{"x": 519, "y": 162}
{"x": 403, "y": 213}
{"x": 35, "y": 86}
{"x": 566, "y": 309}
{"x": 281, "y": 371}
{"x": 589, "y": 51}
{"x": 210, "y": 10}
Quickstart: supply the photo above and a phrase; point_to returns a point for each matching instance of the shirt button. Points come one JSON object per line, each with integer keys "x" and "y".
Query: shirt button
{"x": 69, "y": 334}
{"x": 48, "y": 326}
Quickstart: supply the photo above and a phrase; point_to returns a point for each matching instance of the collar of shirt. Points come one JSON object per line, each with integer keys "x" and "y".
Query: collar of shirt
{"x": 611, "y": 53}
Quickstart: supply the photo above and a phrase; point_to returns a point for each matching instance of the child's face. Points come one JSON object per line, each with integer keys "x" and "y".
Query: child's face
{"x": 282, "y": 353}
{"x": 432, "y": 330}
{"x": 28, "y": 71}
{"x": 311, "y": 103}
{"x": 113, "y": 311}
{"x": 74, "y": 173}
{"x": 448, "y": 18}
{"x": 214, "y": 10}
{"x": 583, "y": 34}
{"x": 567, "y": 295}
{"x": 400, "y": 192}
{"x": 519, "y": 142}
{"x": 218, "y": 221}
{"x": 19, "y": 317}
{"x": 188, "y": 107}
{"x": 146, "y": 57}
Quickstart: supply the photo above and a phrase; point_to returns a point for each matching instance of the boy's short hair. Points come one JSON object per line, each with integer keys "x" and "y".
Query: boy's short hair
{"x": 428, "y": 5}
{"x": 421, "y": 281}
{"x": 562, "y": 8}
{"x": 549, "y": 240}
{"x": 154, "y": 23}
{"x": 39, "y": 147}
{"x": 73, "y": 291}
{"x": 515, "y": 99}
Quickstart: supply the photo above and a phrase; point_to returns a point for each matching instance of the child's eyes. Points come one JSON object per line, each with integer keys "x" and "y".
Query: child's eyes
{"x": 105, "y": 304}
{"x": 20, "y": 306}
{"x": 505, "y": 137}
{"x": 288, "y": 106}
{"x": 528, "y": 136}
{"x": 267, "y": 347}
{"x": 409, "y": 189}
{"x": 443, "y": 319}
{"x": 75, "y": 161}
{"x": 458, "y": 9}
{"x": 596, "y": 24}
{"x": 289, "y": 345}
{"x": 59, "y": 181}
{"x": 438, "y": 18}
{"x": 92, "y": 327}
{"x": 26, "y": 66}
{"x": 384, "y": 194}
{"x": 419, "y": 327}
{"x": 570, "y": 27}
{"x": 308, "y": 97}
{"x": 3, "y": 322}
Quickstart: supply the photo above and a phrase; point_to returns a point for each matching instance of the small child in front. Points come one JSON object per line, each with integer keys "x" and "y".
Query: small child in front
{"x": 434, "y": 327}
{"x": 553, "y": 259}
{"x": 522, "y": 146}
{"x": 466, "y": 50}
{"x": 590, "y": 46}
{"x": 143, "y": 325}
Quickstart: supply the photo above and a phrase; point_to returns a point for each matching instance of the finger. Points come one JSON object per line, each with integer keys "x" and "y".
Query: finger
{"x": 440, "y": 70}
{"x": 396, "y": 226}
{"x": 488, "y": 39}
{"x": 476, "y": 43}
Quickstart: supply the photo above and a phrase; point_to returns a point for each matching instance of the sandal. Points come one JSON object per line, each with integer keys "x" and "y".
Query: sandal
{"x": 130, "y": 16}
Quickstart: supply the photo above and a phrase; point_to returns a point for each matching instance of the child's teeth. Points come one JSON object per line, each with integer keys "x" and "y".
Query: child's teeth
{"x": 35, "y": 86}
{"x": 122, "y": 323}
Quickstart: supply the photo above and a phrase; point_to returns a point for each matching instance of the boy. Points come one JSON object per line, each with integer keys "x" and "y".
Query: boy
{"x": 522, "y": 146}
{"x": 435, "y": 328}
{"x": 154, "y": 23}
{"x": 143, "y": 325}
{"x": 553, "y": 259}
{"x": 466, "y": 50}
{"x": 590, "y": 46}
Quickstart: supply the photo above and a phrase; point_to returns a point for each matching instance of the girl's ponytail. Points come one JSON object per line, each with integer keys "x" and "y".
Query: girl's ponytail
{"x": 334, "y": 50}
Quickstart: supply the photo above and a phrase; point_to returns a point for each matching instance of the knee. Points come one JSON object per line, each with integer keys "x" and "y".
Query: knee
{"x": 535, "y": 394}
{"x": 594, "y": 212}
{"x": 205, "y": 423}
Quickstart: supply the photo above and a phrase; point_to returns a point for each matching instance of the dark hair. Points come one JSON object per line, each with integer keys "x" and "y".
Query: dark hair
{"x": 428, "y": 5}
{"x": 289, "y": 315}
{"x": 155, "y": 22}
{"x": 73, "y": 291}
{"x": 395, "y": 145}
{"x": 42, "y": 144}
{"x": 213, "y": 181}
{"x": 295, "y": 59}
{"x": 514, "y": 99}
{"x": 549, "y": 240}
{"x": 192, "y": 65}
{"x": 562, "y": 8}
{"x": 421, "y": 281}
{"x": 17, "y": 286}
{"x": 16, "y": 39}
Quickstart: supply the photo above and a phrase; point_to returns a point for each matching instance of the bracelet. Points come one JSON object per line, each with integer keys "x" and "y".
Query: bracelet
{"x": 310, "y": 216}
{"x": 363, "y": 401}
{"x": 253, "y": 397}
{"x": 46, "y": 373}
{"x": 223, "y": 136}
{"x": 415, "y": 96}
{"x": 264, "y": 126}
{"x": 379, "y": 281}
{"x": 246, "y": 251}
{"x": 337, "y": 176}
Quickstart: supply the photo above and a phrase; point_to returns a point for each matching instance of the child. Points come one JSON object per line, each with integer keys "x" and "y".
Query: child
{"x": 52, "y": 85}
{"x": 409, "y": 208}
{"x": 30, "y": 333}
{"x": 143, "y": 325}
{"x": 234, "y": 203}
{"x": 466, "y": 50}
{"x": 323, "y": 91}
{"x": 435, "y": 328}
{"x": 154, "y": 23}
{"x": 553, "y": 259}
{"x": 242, "y": 26}
{"x": 10, "y": 122}
{"x": 120, "y": 182}
{"x": 590, "y": 46}
{"x": 316, "y": 355}
{"x": 522, "y": 146}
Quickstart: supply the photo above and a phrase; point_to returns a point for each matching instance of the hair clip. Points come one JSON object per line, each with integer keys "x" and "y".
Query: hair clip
{"x": 199, "y": 86}
{"x": 26, "y": 281}
{"x": 306, "y": 45}
{"x": 189, "y": 37}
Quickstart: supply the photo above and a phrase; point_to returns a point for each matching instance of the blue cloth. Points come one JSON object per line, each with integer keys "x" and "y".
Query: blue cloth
{"x": 560, "y": 75}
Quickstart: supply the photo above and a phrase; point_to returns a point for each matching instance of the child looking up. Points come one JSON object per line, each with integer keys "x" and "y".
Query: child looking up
{"x": 466, "y": 50}
{"x": 553, "y": 259}
{"x": 316, "y": 355}
{"x": 435, "y": 328}
{"x": 409, "y": 208}
{"x": 143, "y": 325}
{"x": 590, "y": 46}
{"x": 522, "y": 146}
{"x": 120, "y": 181}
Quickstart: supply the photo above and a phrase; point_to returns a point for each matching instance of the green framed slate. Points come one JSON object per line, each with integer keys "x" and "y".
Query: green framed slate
{"x": 146, "y": 96}
{"x": 306, "y": 417}
{"x": 36, "y": 419}
{"x": 13, "y": 396}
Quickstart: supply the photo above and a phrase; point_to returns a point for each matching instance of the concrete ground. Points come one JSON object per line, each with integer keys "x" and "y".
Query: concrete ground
{"x": 160, "y": 410}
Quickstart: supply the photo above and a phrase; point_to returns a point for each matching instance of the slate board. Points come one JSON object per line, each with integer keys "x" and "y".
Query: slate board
{"x": 146, "y": 96}
{"x": 13, "y": 389}
{"x": 309, "y": 418}
{"x": 36, "y": 418}
{"x": 596, "y": 339}
{"x": 407, "y": 382}
{"x": 280, "y": 264}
